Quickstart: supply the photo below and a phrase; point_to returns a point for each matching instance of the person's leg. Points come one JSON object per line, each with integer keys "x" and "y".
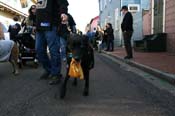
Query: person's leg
{"x": 41, "y": 50}
{"x": 53, "y": 42}
{"x": 100, "y": 46}
{"x": 108, "y": 44}
{"x": 63, "y": 48}
{"x": 112, "y": 45}
{"x": 127, "y": 43}
{"x": 125, "y": 37}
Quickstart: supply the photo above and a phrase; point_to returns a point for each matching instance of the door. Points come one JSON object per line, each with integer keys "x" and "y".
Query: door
{"x": 158, "y": 16}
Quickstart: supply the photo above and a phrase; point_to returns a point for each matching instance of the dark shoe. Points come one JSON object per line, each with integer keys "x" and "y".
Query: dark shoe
{"x": 45, "y": 75}
{"x": 55, "y": 80}
{"x": 112, "y": 50}
{"x": 128, "y": 57}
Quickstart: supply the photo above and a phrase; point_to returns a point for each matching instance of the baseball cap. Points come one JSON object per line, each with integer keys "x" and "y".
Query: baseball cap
{"x": 124, "y": 8}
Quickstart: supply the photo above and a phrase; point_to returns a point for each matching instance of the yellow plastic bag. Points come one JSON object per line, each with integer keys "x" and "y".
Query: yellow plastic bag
{"x": 75, "y": 69}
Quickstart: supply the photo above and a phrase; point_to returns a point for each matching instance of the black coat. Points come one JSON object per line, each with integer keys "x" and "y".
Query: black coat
{"x": 110, "y": 33}
{"x": 14, "y": 30}
{"x": 48, "y": 15}
{"x": 127, "y": 24}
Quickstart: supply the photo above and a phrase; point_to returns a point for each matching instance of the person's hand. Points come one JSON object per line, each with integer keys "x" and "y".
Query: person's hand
{"x": 64, "y": 18}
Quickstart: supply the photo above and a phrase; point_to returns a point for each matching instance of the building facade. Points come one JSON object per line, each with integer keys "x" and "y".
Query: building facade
{"x": 170, "y": 25}
{"x": 110, "y": 12}
{"x": 11, "y": 8}
{"x": 151, "y": 17}
{"x": 160, "y": 19}
{"x": 94, "y": 23}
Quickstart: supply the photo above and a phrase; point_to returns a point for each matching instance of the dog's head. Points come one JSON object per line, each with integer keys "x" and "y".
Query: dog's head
{"x": 81, "y": 49}
{"x": 76, "y": 43}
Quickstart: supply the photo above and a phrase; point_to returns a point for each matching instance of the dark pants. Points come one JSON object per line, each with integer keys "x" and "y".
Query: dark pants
{"x": 110, "y": 44}
{"x": 127, "y": 42}
{"x": 51, "y": 40}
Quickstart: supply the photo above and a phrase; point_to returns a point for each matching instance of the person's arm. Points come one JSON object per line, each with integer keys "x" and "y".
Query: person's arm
{"x": 9, "y": 29}
{"x": 124, "y": 24}
{"x": 23, "y": 23}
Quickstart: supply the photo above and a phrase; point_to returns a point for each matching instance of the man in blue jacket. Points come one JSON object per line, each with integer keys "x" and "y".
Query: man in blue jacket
{"x": 127, "y": 29}
{"x": 48, "y": 19}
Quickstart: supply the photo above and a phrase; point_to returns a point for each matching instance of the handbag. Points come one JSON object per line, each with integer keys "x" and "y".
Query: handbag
{"x": 75, "y": 70}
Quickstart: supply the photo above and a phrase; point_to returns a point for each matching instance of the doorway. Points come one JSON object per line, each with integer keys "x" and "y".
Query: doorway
{"x": 158, "y": 15}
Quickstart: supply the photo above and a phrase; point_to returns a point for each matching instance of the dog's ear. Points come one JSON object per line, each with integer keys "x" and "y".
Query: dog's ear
{"x": 73, "y": 40}
{"x": 85, "y": 41}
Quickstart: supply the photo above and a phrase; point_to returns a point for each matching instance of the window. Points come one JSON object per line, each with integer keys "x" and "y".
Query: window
{"x": 134, "y": 7}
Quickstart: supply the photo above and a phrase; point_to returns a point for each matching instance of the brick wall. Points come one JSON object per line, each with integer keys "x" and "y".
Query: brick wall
{"x": 170, "y": 25}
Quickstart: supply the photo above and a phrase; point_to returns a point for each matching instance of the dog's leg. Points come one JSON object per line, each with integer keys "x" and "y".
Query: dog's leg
{"x": 14, "y": 59}
{"x": 74, "y": 82}
{"x": 13, "y": 66}
{"x": 63, "y": 88}
{"x": 86, "y": 87}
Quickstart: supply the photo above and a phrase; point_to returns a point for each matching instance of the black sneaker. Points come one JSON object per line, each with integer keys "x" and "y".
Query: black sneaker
{"x": 55, "y": 80}
{"x": 45, "y": 75}
{"x": 128, "y": 57}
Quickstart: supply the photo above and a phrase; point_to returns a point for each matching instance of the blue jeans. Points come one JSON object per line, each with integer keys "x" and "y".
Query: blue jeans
{"x": 51, "y": 40}
{"x": 63, "y": 48}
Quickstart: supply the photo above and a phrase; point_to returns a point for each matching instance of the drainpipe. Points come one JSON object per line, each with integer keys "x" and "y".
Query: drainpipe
{"x": 164, "y": 14}
{"x": 120, "y": 31}
{"x": 152, "y": 17}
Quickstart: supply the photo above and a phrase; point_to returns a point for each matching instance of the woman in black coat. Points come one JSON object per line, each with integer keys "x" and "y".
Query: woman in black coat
{"x": 110, "y": 37}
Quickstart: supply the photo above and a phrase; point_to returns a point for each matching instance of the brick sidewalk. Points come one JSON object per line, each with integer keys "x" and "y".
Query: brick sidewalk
{"x": 162, "y": 61}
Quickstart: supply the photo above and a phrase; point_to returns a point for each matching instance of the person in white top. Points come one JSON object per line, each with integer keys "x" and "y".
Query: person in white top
{"x": 8, "y": 51}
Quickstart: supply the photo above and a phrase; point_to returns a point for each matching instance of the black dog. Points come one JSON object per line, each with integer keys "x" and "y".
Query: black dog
{"x": 82, "y": 51}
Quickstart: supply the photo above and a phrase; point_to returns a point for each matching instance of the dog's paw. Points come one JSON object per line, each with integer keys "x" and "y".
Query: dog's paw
{"x": 74, "y": 83}
{"x": 62, "y": 92}
{"x": 16, "y": 73}
{"x": 86, "y": 92}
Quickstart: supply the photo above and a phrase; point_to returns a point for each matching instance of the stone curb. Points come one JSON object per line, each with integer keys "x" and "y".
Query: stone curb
{"x": 168, "y": 77}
